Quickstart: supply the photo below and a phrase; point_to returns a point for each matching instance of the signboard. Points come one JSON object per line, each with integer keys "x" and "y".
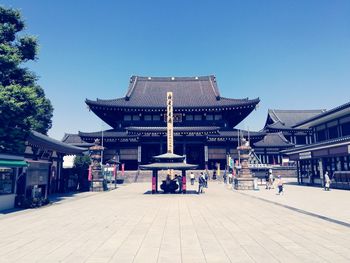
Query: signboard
{"x": 320, "y": 168}
{"x": 305, "y": 155}
{"x": 170, "y": 123}
{"x": 206, "y": 153}
{"x": 177, "y": 117}
{"x": 139, "y": 154}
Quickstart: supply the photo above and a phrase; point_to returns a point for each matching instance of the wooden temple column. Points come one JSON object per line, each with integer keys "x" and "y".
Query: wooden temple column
{"x": 139, "y": 149}
{"x": 206, "y": 156}
{"x": 154, "y": 181}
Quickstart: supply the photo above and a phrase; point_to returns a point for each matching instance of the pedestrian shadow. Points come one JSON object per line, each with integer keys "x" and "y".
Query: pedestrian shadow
{"x": 188, "y": 192}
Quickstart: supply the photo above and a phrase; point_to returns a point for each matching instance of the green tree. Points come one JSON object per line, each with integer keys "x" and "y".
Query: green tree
{"x": 23, "y": 105}
{"x": 82, "y": 162}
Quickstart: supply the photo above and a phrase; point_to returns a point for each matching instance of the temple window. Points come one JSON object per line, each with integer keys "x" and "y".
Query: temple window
{"x": 209, "y": 117}
{"x": 135, "y": 117}
{"x": 127, "y": 117}
{"x": 300, "y": 139}
{"x": 197, "y": 117}
{"x": 218, "y": 117}
{"x": 333, "y": 132}
{"x": 156, "y": 117}
{"x": 189, "y": 117}
{"x": 321, "y": 135}
{"x": 148, "y": 117}
{"x": 345, "y": 129}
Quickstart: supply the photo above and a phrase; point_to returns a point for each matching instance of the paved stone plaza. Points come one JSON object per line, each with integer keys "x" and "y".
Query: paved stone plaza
{"x": 126, "y": 225}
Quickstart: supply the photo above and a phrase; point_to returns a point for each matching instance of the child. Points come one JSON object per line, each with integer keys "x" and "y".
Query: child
{"x": 280, "y": 185}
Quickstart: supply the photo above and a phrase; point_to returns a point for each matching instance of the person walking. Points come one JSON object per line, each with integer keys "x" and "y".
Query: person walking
{"x": 192, "y": 178}
{"x": 205, "y": 177}
{"x": 200, "y": 184}
{"x": 214, "y": 174}
{"x": 271, "y": 179}
{"x": 230, "y": 176}
{"x": 327, "y": 181}
{"x": 225, "y": 177}
{"x": 280, "y": 185}
{"x": 267, "y": 180}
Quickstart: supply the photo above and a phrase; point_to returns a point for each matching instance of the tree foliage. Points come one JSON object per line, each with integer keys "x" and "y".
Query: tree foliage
{"x": 23, "y": 105}
{"x": 82, "y": 162}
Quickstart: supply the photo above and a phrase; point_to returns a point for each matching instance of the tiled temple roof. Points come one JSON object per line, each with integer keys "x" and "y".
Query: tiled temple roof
{"x": 234, "y": 133}
{"x": 319, "y": 145}
{"x": 286, "y": 119}
{"x": 342, "y": 108}
{"x": 75, "y": 139}
{"x": 189, "y": 92}
{"x": 176, "y": 129}
{"x": 274, "y": 140}
{"x": 106, "y": 134}
{"x": 43, "y": 141}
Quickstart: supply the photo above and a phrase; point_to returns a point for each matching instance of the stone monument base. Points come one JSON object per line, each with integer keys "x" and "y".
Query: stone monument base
{"x": 97, "y": 186}
{"x": 245, "y": 183}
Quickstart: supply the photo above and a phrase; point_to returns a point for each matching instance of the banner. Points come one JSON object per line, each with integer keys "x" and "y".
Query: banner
{"x": 90, "y": 174}
{"x": 170, "y": 123}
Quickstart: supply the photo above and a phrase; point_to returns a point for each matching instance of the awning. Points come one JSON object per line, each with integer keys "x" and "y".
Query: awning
{"x": 13, "y": 163}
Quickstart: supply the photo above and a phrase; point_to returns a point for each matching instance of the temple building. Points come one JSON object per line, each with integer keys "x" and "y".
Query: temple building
{"x": 330, "y": 150}
{"x": 204, "y": 121}
{"x": 284, "y": 121}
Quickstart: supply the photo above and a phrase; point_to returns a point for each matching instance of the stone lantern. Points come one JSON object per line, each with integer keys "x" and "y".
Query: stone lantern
{"x": 245, "y": 180}
{"x": 96, "y": 168}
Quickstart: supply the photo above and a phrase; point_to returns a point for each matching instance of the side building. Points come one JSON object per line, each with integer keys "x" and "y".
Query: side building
{"x": 204, "y": 121}
{"x": 280, "y": 134}
{"x": 330, "y": 150}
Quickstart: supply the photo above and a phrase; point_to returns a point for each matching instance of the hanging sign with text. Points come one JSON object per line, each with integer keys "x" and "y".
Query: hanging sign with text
{"x": 170, "y": 123}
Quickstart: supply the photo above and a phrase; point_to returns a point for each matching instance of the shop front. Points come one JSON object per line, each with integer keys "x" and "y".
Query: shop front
{"x": 315, "y": 160}
{"x": 10, "y": 170}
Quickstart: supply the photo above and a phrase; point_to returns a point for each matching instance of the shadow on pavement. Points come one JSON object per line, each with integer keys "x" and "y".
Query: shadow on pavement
{"x": 188, "y": 192}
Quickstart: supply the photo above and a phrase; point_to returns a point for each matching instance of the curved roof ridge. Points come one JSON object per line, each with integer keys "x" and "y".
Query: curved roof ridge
{"x": 172, "y": 78}
{"x": 131, "y": 87}
{"x": 215, "y": 90}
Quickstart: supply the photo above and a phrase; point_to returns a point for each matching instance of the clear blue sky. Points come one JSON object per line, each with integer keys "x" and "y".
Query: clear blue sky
{"x": 291, "y": 54}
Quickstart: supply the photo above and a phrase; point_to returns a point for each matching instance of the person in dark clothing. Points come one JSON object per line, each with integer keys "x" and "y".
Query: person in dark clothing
{"x": 267, "y": 180}
{"x": 200, "y": 184}
{"x": 179, "y": 181}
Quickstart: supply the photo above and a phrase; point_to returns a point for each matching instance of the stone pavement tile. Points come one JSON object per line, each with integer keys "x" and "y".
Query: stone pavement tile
{"x": 127, "y": 226}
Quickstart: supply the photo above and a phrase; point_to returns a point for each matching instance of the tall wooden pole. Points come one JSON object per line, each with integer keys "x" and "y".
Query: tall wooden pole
{"x": 170, "y": 128}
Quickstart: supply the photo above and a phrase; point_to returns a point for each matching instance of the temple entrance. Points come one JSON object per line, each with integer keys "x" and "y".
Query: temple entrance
{"x": 195, "y": 154}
